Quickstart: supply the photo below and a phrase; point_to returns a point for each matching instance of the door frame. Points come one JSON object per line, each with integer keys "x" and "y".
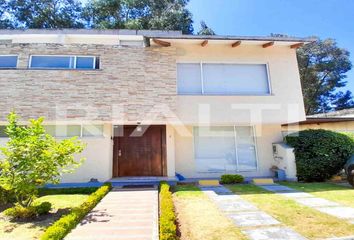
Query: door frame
{"x": 116, "y": 141}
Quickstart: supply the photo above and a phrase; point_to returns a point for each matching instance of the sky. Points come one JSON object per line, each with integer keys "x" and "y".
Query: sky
{"x": 300, "y": 18}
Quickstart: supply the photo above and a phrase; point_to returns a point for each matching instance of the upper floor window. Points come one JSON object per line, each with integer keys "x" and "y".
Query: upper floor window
{"x": 64, "y": 62}
{"x": 8, "y": 61}
{"x": 222, "y": 79}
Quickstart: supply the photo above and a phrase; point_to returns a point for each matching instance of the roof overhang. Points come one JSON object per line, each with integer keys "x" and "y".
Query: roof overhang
{"x": 315, "y": 120}
{"x": 150, "y": 37}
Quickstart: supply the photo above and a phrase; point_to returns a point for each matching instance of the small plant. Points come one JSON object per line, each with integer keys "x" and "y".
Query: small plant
{"x": 320, "y": 154}
{"x": 20, "y": 212}
{"x": 33, "y": 158}
{"x": 66, "y": 223}
{"x": 167, "y": 214}
{"x": 231, "y": 178}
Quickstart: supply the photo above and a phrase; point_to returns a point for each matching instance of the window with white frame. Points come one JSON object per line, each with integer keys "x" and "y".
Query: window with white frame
{"x": 64, "y": 62}
{"x": 74, "y": 130}
{"x": 224, "y": 149}
{"x": 8, "y": 61}
{"x": 222, "y": 79}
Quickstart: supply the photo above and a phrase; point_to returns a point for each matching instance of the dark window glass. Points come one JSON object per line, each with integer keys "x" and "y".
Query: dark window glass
{"x": 97, "y": 63}
{"x": 8, "y": 61}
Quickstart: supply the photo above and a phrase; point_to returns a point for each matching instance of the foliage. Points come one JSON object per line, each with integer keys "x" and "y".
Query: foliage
{"x": 231, "y": 178}
{"x": 322, "y": 66}
{"x": 33, "y": 158}
{"x": 75, "y": 190}
{"x": 42, "y": 14}
{"x": 205, "y": 30}
{"x": 6, "y": 196}
{"x": 68, "y": 222}
{"x": 320, "y": 154}
{"x": 139, "y": 14}
{"x": 167, "y": 214}
{"x": 20, "y": 212}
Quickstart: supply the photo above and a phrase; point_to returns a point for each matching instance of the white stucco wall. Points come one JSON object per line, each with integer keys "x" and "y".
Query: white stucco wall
{"x": 283, "y": 105}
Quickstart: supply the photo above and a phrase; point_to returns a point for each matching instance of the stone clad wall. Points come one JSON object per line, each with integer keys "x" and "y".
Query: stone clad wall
{"x": 133, "y": 83}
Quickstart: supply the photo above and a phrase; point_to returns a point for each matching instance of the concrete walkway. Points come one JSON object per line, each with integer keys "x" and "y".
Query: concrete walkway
{"x": 320, "y": 204}
{"x": 122, "y": 214}
{"x": 256, "y": 224}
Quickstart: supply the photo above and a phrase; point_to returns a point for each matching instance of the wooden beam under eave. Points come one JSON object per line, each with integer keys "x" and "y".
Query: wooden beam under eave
{"x": 204, "y": 43}
{"x": 161, "y": 43}
{"x": 297, "y": 45}
{"x": 269, "y": 44}
{"x": 236, "y": 44}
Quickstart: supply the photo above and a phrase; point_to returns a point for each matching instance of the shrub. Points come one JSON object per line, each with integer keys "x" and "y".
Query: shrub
{"x": 43, "y": 208}
{"x": 6, "y": 196}
{"x": 167, "y": 214}
{"x": 75, "y": 190}
{"x": 231, "y": 178}
{"x": 66, "y": 223}
{"x": 20, "y": 212}
{"x": 320, "y": 154}
{"x": 33, "y": 158}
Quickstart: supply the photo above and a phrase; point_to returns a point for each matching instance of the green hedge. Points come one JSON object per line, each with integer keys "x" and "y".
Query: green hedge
{"x": 232, "y": 178}
{"x": 76, "y": 190}
{"x": 167, "y": 214}
{"x": 320, "y": 154}
{"x": 68, "y": 222}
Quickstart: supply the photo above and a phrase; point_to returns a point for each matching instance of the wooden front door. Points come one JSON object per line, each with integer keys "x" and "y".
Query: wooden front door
{"x": 140, "y": 151}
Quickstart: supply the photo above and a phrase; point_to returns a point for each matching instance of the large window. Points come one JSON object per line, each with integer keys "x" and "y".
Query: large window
{"x": 64, "y": 62}
{"x": 222, "y": 79}
{"x": 224, "y": 149}
{"x": 8, "y": 61}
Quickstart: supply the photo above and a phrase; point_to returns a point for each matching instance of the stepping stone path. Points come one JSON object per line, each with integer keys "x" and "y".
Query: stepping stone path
{"x": 122, "y": 214}
{"x": 320, "y": 204}
{"x": 256, "y": 224}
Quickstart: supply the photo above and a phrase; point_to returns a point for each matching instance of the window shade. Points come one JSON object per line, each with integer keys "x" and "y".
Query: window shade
{"x": 189, "y": 78}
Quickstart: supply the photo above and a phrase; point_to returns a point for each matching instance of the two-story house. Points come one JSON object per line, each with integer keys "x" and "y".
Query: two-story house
{"x": 155, "y": 103}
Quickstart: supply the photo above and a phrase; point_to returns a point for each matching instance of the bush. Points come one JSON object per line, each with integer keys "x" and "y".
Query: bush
{"x": 231, "y": 178}
{"x": 320, "y": 154}
{"x": 75, "y": 190}
{"x": 6, "y": 196}
{"x": 66, "y": 223}
{"x": 20, "y": 212}
{"x": 43, "y": 208}
{"x": 167, "y": 214}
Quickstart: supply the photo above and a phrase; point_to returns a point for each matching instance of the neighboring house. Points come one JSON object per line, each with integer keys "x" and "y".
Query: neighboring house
{"x": 155, "y": 103}
{"x": 339, "y": 121}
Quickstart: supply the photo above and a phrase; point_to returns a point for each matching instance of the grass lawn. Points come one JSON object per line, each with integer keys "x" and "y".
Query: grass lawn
{"x": 61, "y": 204}
{"x": 306, "y": 221}
{"x": 329, "y": 191}
{"x": 199, "y": 218}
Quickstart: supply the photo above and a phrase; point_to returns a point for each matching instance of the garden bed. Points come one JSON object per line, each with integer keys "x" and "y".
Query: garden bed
{"x": 62, "y": 200}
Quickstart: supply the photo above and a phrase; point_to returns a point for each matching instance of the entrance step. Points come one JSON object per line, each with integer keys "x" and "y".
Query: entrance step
{"x": 209, "y": 183}
{"x": 141, "y": 181}
{"x": 262, "y": 181}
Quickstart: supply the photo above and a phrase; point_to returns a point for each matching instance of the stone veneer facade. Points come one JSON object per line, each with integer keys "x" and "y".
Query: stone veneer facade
{"x": 135, "y": 78}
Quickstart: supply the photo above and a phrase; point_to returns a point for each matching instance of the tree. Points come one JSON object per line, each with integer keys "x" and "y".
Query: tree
{"x": 44, "y": 13}
{"x": 343, "y": 100}
{"x": 33, "y": 158}
{"x": 139, "y": 14}
{"x": 5, "y": 22}
{"x": 205, "y": 30}
{"x": 322, "y": 66}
